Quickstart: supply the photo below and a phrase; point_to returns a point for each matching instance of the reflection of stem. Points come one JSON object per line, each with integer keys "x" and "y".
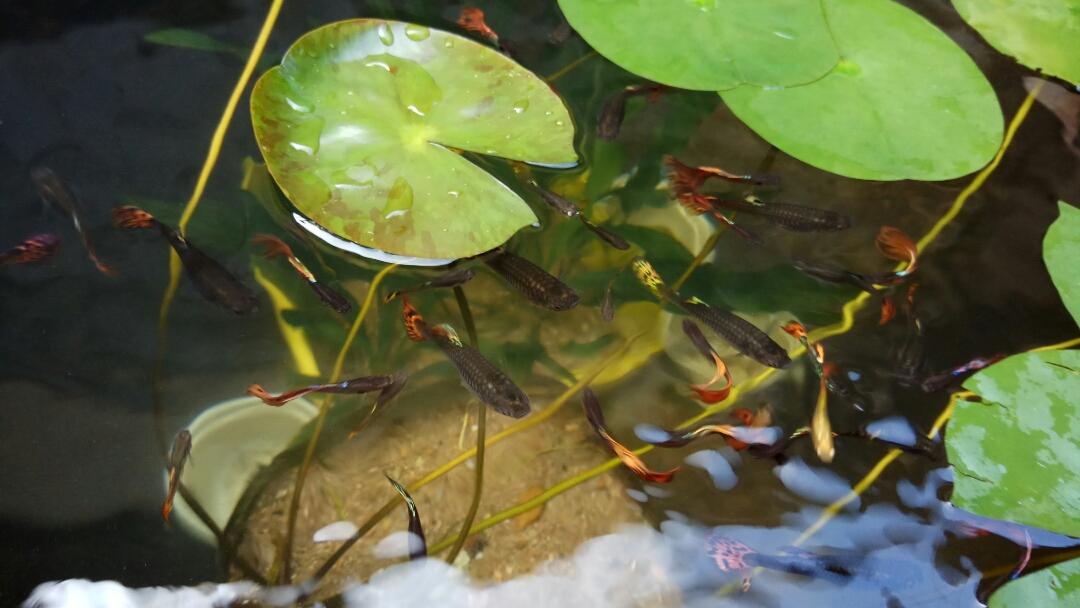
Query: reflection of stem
{"x": 209, "y": 522}
{"x": 529, "y": 422}
{"x": 283, "y": 562}
{"x": 481, "y": 424}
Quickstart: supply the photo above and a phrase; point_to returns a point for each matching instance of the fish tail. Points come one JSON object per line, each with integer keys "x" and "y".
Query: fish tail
{"x": 272, "y": 246}
{"x": 130, "y": 216}
{"x": 895, "y": 244}
{"x": 256, "y": 390}
{"x": 415, "y": 326}
{"x": 695, "y": 203}
{"x": 330, "y": 297}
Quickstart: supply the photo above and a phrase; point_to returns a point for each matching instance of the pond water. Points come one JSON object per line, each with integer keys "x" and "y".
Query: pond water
{"x": 91, "y": 403}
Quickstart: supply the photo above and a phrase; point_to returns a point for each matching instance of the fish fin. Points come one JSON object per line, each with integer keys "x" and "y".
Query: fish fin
{"x": 130, "y": 216}
{"x": 272, "y": 246}
{"x": 414, "y": 323}
{"x": 449, "y": 332}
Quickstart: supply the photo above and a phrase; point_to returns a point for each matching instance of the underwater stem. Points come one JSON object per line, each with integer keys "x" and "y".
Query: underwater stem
{"x": 481, "y": 432}
{"x": 706, "y": 249}
{"x": 283, "y": 562}
{"x": 566, "y": 69}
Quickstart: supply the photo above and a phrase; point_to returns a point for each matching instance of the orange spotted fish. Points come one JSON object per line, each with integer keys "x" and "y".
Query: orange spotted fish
{"x": 211, "y": 279}
{"x": 595, "y": 415}
{"x": 479, "y": 375}
{"x": 37, "y": 248}
{"x": 181, "y": 449}
{"x": 273, "y": 247}
{"x": 53, "y": 191}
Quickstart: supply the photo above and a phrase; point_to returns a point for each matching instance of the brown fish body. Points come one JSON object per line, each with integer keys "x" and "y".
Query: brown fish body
{"x": 740, "y": 333}
{"x": 181, "y": 449}
{"x": 533, "y": 282}
{"x": 835, "y": 274}
{"x": 480, "y": 376}
{"x": 211, "y": 279}
{"x": 558, "y": 203}
{"x": 797, "y": 218}
{"x": 447, "y": 279}
{"x": 34, "y": 249}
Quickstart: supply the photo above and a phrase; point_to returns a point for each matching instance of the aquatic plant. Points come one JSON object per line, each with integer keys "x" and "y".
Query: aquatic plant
{"x": 863, "y": 88}
{"x": 364, "y": 125}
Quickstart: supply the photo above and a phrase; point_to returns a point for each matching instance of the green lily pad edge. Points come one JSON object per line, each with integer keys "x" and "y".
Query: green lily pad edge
{"x": 364, "y": 124}
{"x": 1017, "y": 452}
{"x": 904, "y": 102}
{"x": 1058, "y": 585}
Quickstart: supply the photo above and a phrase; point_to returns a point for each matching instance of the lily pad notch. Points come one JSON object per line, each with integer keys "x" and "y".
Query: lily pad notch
{"x": 363, "y": 124}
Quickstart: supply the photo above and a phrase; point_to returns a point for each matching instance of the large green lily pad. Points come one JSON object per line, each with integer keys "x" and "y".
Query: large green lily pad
{"x": 1041, "y": 34}
{"x": 709, "y": 45}
{"x": 359, "y": 126}
{"x": 1058, "y": 585}
{"x": 905, "y": 102}
{"x": 1061, "y": 253}
{"x": 1017, "y": 454}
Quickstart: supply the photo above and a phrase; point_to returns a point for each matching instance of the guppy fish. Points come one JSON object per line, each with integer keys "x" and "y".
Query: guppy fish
{"x": 533, "y": 282}
{"x": 417, "y": 542}
{"x": 53, "y": 191}
{"x": 686, "y": 178}
{"x": 796, "y": 218}
{"x": 34, "y": 249}
{"x": 213, "y": 281}
{"x": 609, "y": 120}
{"x": 569, "y": 209}
{"x": 181, "y": 449}
{"x": 355, "y": 386}
{"x": 479, "y": 375}
{"x": 448, "y": 279}
{"x": 731, "y": 555}
{"x": 273, "y": 247}
{"x": 595, "y": 416}
{"x": 738, "y": 332}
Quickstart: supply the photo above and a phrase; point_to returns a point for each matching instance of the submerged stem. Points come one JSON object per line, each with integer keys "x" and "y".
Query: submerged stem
{"x": 481, "y": 423}
{"x": 283, "y": 562}
{"x": 706, "y": 249}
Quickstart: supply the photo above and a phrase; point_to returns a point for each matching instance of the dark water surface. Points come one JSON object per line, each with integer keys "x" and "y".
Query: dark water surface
{"x": 127, "y": 121}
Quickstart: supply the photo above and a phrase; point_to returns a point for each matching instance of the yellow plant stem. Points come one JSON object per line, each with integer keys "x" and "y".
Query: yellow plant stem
{"x": 846, "y": 323}
{"x": 284, "y": 558}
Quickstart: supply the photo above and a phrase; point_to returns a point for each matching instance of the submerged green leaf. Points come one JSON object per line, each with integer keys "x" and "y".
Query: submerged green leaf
{"x": 1041, "y": 34}
{"x": 1058, "y": 585}
{"x": 190, "y": 39}
{"x": 1017, "y": 454}
{"x": 361, "y": 123}
{"x": 905, "y": 102}
{"x": 1061, "y": 253}
{"x": 709, "y": 45}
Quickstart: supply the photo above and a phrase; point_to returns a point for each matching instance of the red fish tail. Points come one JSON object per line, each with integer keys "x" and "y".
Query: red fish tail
{"x": 795, "y": 330}
{"x": 888, "y": 311}
{"x": 472, "y": 19}
{"x": 694, "y": 202}
{"x": 256, "y": 390}
{"x": 415, "y": 326}
{"x": 683, "y": 177}
{"x": 894, "y": 244}
{"x": 272, "y": 246}
{"x": 130, "y": 216}
{"x": 33, "y": 249}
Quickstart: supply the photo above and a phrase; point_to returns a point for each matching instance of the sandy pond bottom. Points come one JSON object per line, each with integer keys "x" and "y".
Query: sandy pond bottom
{"x": 348, "y": 483}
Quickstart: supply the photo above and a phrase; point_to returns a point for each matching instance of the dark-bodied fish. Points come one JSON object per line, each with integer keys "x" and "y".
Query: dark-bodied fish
{"x": 417, "y": 542}
{"x": 471, "y": 19}
{"x": 569, "y": 209}
{"x": 740, "y": 333}
{"x": 609, "y": 120}
{"x": 936, "y": 382}
{"x": 447, "y": 279}
{"x": 479, "y": 375}
{"x": 607, "y": 304}
{"x": 273, "y": 247}
{"x": 356, "y": 386}
{"x": 796, "y": 218}
{"x": 685, "y": 178}
{"x": 37, "y": 248}
{"x": 211, "y": 279}
{"x": 181, "y": 449}
{"x": 533, "y": 282}
{"x": 53, "y": 191}
{"x": 835, "y": 274}
{"x": 595, "y": 415}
